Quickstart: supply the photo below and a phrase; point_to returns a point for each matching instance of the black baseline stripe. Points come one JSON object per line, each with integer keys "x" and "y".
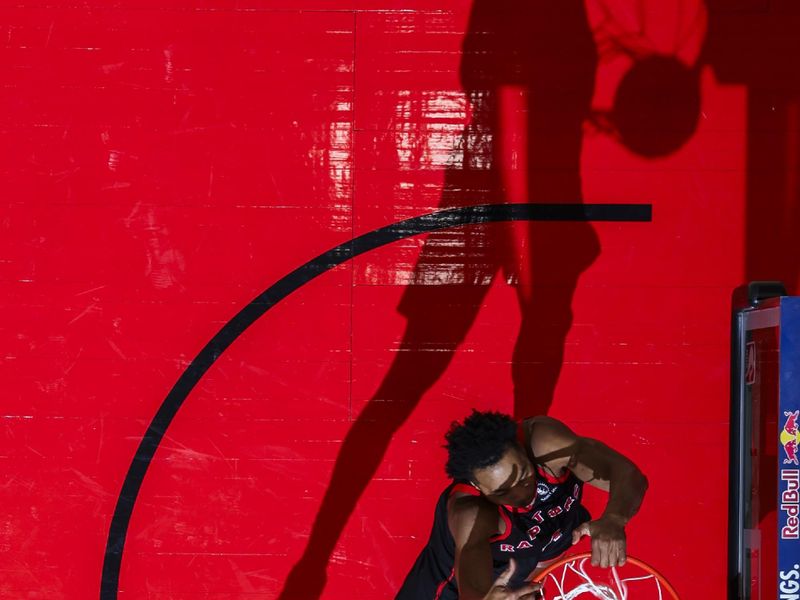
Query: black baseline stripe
{"x": 457, "y": 217}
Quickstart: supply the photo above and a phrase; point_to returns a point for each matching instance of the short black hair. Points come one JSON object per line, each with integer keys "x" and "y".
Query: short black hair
{"x": 479, "y": 442}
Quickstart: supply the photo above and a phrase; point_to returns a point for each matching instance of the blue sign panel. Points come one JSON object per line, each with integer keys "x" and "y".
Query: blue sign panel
{"x": 788, "y": 450}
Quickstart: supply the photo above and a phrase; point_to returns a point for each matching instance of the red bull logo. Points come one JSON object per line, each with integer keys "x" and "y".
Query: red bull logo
{"x": 789, "y": 437}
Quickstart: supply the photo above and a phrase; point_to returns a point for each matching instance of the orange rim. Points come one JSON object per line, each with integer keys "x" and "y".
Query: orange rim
{"x": 634, "y": 561}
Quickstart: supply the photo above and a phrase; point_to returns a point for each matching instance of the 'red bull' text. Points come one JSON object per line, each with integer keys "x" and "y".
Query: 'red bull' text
{"x": 790, "y": 504}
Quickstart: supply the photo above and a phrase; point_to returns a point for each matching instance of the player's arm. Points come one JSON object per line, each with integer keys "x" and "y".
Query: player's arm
{"x": 472, "y": 522}
{"x": 557, "y": 446}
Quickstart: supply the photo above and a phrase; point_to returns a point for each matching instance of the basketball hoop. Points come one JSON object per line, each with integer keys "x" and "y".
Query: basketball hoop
{"x": 574, "y": 578}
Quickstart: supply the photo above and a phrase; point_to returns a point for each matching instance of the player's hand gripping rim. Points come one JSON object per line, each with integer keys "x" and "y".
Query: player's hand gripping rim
{"x": 608, "y": 541}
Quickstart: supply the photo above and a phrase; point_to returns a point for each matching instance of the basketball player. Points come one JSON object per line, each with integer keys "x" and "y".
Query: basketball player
{"x": 516, "y": 494}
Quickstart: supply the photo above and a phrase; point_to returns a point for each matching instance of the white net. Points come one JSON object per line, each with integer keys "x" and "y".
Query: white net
{"x": 572, "y": 581}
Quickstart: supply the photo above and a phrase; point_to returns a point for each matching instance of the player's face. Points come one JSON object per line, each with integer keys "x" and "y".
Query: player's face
{"x": 511, "y": 480}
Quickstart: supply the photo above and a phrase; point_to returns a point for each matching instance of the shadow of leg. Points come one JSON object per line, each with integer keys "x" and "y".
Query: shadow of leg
{"x": 538, "y": 356}
{"x": 560, "y": 253}
{"x": 439, "y": 317}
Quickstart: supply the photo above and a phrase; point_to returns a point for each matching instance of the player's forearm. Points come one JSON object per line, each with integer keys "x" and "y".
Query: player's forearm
{"x": 626, "y": 492}
{"x": 472, "y": 588}
{"x": 468, "y": 592}
{"x": 474, "y": 573}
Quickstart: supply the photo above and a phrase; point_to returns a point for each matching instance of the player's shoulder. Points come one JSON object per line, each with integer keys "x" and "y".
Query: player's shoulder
{"x": 467, "y": 506}
{"x": 471, "y": 518}
{"x": 548, "y": 437}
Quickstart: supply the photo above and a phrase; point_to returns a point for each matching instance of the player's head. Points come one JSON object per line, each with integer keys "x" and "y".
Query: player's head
{"x": 484, "y": 451}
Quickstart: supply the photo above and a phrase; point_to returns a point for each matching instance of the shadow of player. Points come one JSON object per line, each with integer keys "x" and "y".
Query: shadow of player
{"x": 543, "y": 52}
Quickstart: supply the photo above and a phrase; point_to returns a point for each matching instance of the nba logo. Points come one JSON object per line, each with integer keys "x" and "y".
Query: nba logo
{"x": 750, "y": 359}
